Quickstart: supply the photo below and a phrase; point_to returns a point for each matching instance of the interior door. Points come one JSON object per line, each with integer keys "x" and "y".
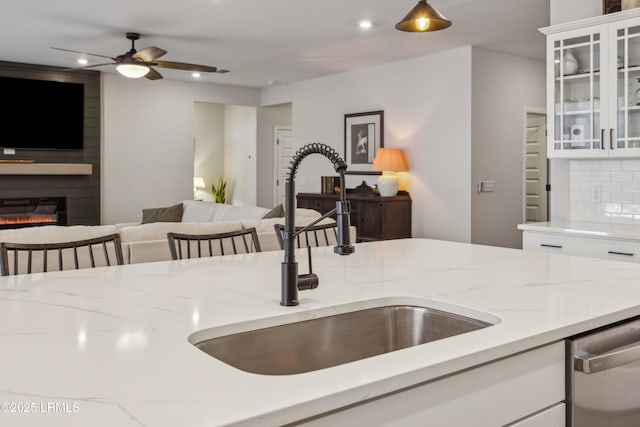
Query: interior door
{"x": 536, "y": 195}
{"x": 283, "y": 154}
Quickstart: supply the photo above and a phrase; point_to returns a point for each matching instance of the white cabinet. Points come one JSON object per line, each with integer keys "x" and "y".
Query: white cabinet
{"x": 527, "y": 389}
{"x": 593, "y": 87}
{"x": 555, "y": 416}
{"x": 596, "y": 247}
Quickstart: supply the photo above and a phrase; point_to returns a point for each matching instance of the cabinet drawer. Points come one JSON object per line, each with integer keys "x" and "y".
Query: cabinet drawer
{"x": 546, "y": 242}
{"x": 612, "y": 249}
{"x": 321, "y": 205}
{"x": 495, "y": 394}
{"x": 552, "y": 417}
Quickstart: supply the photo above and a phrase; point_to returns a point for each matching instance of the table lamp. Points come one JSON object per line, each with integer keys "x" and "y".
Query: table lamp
{"x": 198, "y": 184}
{"x": 389, "y": 161}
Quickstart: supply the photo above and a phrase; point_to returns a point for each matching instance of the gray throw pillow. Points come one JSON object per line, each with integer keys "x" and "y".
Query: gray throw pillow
{"x": 167, "y": 214}
{"x": 276, "y": 212}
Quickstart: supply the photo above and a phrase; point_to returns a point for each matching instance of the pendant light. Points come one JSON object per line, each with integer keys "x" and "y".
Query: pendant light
{"x": 423, "y": 18}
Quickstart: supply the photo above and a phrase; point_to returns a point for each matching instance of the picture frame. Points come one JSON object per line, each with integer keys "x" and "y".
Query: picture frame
{"x": 363, "y": 135}
{"x": 611, "y": 6}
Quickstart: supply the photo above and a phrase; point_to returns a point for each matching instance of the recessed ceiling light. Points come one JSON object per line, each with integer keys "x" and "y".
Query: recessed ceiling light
{"x": 83, "y": 61}
{"x": 196, "y": 75}
{"x": 365, "y": 25}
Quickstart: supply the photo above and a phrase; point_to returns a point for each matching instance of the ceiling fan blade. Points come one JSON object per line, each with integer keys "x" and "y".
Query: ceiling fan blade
{"x": 89, "y": 66}
{"x": 148, "y": 54}
{"x": 153, "y": 74}
{"x": 185, "y": 66}
{"x": 84, "y": 53}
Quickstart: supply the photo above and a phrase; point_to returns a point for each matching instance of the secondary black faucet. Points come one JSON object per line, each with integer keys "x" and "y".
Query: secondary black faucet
{"x": 291, "y": 280}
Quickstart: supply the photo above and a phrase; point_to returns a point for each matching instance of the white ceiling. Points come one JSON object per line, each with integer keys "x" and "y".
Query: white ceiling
{"x": 282, "y": 41}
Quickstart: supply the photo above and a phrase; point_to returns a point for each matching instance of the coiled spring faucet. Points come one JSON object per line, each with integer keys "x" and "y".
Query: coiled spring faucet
{"x": 292, "y": 282}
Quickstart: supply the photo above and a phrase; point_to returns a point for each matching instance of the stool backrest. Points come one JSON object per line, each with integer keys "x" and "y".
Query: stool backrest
{"x": 26, "y": 258}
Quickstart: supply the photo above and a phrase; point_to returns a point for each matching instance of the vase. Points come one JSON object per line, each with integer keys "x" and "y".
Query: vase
{"x": 569, "y": 63}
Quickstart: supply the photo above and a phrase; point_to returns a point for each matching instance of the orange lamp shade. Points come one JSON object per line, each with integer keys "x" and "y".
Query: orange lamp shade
{"x": 390, "y": 159}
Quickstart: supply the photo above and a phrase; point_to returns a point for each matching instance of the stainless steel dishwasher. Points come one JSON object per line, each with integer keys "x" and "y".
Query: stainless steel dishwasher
{"x": 603, "y": 377}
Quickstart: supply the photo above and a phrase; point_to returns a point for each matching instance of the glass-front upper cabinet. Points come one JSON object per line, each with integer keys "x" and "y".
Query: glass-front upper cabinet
{"x": 626, "y": 87}
{"x": 577, "y": 76}
{"x": 593, "y": 87}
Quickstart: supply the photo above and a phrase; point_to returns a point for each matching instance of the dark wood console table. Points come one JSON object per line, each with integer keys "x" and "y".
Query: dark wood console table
{"x": 375, "y": 217}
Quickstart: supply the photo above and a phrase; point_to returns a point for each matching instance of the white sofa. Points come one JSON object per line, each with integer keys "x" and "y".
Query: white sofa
{"x": 148, "y": 242}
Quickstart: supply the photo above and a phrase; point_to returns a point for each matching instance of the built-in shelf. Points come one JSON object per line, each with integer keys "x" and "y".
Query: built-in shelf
{"x": 46, "y": 169}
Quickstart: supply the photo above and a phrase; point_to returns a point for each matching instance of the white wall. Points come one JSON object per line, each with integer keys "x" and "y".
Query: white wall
{"x": 208, "y": 157}
{"x": 562, "y": 11}
{"x": 240, "y": 154}
{"x": 147, "y": 141}
{"x": 268, "y": 118}
{"x": 503, "y": 85}
{"x": 427, "y": 104}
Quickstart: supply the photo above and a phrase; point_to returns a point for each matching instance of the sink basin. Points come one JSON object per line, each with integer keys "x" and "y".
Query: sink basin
{"x": 309, "y": 345}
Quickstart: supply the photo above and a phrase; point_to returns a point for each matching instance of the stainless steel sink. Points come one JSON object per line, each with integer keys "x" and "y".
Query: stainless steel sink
{"x": 308, "y": 345}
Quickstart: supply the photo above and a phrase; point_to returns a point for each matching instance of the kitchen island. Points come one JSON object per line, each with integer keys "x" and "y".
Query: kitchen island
{"x": 109, "y": 346}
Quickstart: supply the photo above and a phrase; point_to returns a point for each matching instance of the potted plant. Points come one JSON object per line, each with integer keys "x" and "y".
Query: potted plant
{"x": 220, "y": 191}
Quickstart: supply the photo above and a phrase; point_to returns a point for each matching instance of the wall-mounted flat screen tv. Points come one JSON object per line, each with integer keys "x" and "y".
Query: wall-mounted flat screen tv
{"x": 41, "y": 114}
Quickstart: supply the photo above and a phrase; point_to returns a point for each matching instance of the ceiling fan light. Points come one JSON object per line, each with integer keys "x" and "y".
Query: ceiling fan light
{"x": 423, "y": 18}
{"x": 133, "y": 71}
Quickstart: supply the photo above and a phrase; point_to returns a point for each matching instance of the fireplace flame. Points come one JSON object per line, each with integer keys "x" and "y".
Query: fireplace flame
{"x": 10, "y": 221}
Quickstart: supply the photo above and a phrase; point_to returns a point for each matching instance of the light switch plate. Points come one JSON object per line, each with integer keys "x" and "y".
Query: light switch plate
{"x": 485, "y": 186}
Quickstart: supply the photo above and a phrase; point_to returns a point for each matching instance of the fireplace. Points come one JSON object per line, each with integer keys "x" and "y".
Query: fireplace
{"x": 33, "y": 211}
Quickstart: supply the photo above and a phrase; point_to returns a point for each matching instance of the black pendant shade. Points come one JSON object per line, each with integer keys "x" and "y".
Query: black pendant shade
{"x": 423, "y": 18}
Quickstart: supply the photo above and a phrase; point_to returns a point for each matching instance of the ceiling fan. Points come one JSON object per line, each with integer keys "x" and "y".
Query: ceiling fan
{"x": 136, "y": 64}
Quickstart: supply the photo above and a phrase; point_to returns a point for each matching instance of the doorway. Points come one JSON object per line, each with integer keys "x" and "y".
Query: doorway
{"x": 536, "y": 167}
{"x": 283, "y": 153}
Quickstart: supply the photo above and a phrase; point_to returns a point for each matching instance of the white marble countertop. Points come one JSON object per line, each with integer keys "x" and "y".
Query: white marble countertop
{"x": 108, "y": 347}
{"x": 585, "y": 229}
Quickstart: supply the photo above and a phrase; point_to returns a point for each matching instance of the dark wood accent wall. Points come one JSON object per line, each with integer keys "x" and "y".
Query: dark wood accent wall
{"x": 82, "y": 191}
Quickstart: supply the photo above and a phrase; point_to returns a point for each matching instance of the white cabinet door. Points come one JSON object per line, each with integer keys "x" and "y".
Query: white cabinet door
{"x": 624, "y": 88}
{"x": 593, "y": 90}
{"x": 576, "y": 93}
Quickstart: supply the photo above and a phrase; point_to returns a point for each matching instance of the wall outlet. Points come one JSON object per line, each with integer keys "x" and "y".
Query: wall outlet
{"x": 595, "y": 194}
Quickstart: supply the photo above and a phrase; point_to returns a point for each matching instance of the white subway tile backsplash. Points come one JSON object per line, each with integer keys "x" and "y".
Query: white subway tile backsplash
{"x": 611, "y": 186}
{"x": 622, "y": 197}
{"x": 622, "y": 176}
{"x": 619, "y": 197}
{"x": 590, "y": 164}
{"x": 581, "y": 175}
{"x": 581, "y": 196}
{"x": 622, "y": 218}
{"x": 630, "y": 164}
{"x": 612, "y": 207}
{"x": 631, "y": 208}
{"x": 610, "y": 165}
{"x": 631, "y": 186}
{"x": 599, "y": 175}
